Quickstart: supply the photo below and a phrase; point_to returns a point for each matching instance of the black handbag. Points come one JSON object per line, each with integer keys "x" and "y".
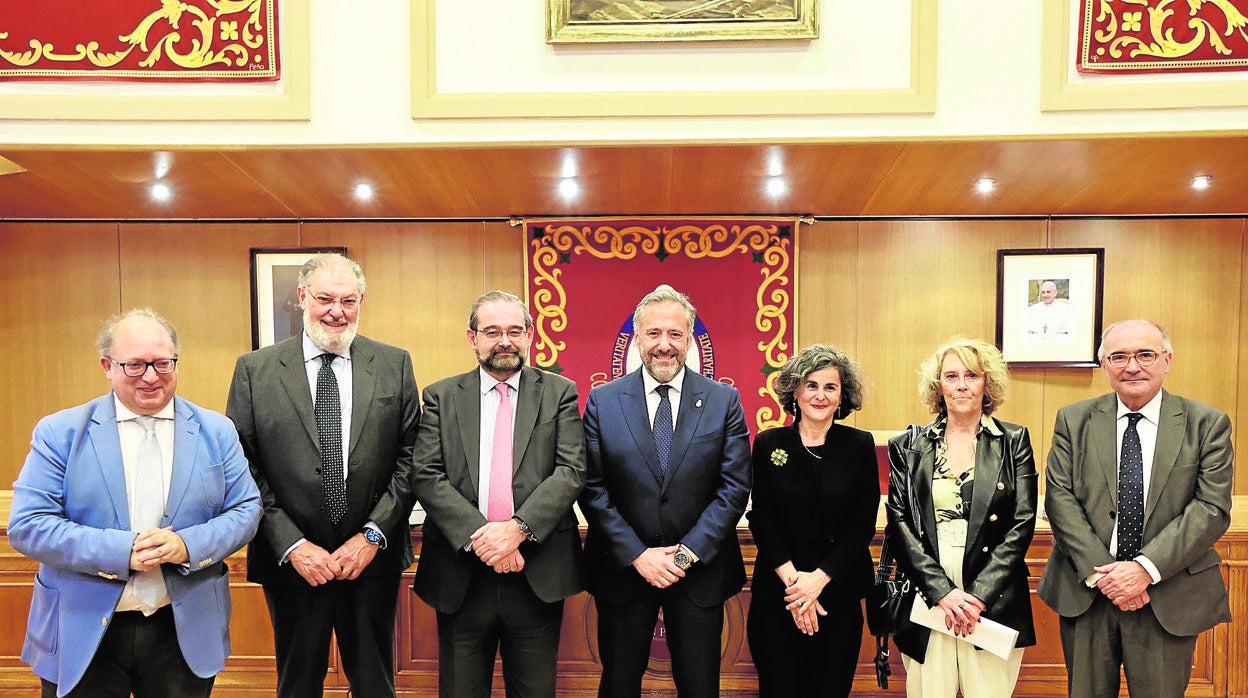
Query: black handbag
{"x": 888, "y": 608}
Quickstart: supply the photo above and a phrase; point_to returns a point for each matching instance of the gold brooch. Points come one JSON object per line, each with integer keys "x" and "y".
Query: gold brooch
{"x": 779, "y": 457}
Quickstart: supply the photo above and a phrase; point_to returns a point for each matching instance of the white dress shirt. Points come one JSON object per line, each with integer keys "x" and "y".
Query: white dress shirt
{"x": 131, "y": 436}
{"x": 489, "y": 412}
{"x": 652, "y": 395}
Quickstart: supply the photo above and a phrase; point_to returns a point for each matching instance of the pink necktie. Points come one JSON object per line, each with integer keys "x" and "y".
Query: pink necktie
{"x": 499, "y": 508}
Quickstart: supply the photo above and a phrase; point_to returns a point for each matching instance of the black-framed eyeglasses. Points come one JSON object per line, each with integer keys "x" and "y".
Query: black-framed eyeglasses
{"x": 134, "y": 369}
{"x": 1143, "y": 358}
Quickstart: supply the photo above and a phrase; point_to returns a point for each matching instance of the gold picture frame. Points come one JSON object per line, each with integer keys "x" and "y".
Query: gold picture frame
{"x": 598, "y": 21}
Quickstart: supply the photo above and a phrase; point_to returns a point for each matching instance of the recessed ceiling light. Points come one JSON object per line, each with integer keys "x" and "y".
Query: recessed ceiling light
{"x": 985, "y": 184}
{"x": 569, "y": 188}
{"x": 1201, "y": 182}
{"x": 161, "y": 191}
{"x": 364, "y": 191}
{"x": 777, "y": 186}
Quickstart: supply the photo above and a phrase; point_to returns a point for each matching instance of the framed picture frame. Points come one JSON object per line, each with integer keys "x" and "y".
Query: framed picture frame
{"x": 275, "y": 313}
{"x": 1049, "y": 304}
{"x": 593, "y": 21}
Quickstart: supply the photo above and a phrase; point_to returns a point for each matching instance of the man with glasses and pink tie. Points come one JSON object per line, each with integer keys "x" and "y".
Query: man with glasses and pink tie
{"x": 500, "y": 460}
{"x": 131, "y": 503}
{"x": 1138, "y": 492}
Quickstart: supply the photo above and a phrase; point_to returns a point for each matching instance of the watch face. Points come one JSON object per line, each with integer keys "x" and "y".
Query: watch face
{"x": 372, "y": 536}
{"x": 682, "y": 560}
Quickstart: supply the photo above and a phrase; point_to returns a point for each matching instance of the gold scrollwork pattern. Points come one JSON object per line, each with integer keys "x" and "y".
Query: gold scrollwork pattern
{"x": 235, "y": 35}
{"x": 549, "y": 242}
{"x": 1121, "y": 31}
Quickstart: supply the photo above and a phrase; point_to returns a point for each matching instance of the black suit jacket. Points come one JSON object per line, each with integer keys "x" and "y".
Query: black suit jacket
{"x": 815, "y": 513}
{"x": 631, "y": 505}
{"x": 549, "y": 472}
{"x": 1000, "y": 526}
{"x": 270, "y": 402}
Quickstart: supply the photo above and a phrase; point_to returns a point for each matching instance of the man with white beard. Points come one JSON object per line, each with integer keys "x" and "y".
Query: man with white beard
{"x": 328, "y": 421}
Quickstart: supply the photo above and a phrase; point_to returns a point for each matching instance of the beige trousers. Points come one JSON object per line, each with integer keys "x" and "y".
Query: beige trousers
{"x": 953, "y": 664}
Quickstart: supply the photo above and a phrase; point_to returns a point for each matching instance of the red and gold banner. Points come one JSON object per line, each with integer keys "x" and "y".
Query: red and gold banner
{"x": 147, "y": 40}
{"x": 1156, "y": 36}
{"x": 585, "y": 277}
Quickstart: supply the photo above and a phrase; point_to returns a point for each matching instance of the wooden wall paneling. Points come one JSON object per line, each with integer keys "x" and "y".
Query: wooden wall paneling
{"x": 198, "y": 275}
{"x": 60, "y": 280}
{"x": 924, "y": 282}
{"x": 1186, "y": 274}
{"x": 504, "y": 251}
{"x": 422, "y": 279}
{"x": 1241, "y": 410}
{"x": 828, "y": 294}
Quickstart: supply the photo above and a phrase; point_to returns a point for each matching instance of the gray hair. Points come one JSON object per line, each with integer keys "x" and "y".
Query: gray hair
{"x": 498, "y": 296}
{"x": 665, "y": 294}
{"x": 1166, "y": 345}
{"x": 329, "y": 259}
{"x": 817, "y": 357}
{"x": 108, "y": 333}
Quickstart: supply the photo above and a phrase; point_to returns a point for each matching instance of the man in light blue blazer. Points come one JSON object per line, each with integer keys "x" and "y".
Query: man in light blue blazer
{"x": 663, "y": 510}
{"x": 123, "y": 606}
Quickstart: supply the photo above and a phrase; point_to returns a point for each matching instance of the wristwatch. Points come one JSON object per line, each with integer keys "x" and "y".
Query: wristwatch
{"x": 372, "y": 535}
{"x": 524, "y": 529}
{"x": 682, "y": 559}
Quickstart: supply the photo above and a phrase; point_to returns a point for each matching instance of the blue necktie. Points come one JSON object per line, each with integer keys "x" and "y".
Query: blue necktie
{"x": 328, "y": 415}
{"x": 663, "y": 426}
{"x": 1131, "y": 492}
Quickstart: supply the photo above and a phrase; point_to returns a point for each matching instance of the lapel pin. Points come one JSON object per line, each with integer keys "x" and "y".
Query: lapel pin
{"x": 698, "y": 403}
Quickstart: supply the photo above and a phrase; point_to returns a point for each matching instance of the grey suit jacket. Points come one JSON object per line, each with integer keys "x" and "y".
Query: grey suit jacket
{"x": 549, "y": 472}
{"x": 1188, "y": 509}
{"x": 271, "y": 405}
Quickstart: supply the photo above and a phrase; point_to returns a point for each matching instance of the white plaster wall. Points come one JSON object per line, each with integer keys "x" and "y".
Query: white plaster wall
{"x": 988, "y": 83}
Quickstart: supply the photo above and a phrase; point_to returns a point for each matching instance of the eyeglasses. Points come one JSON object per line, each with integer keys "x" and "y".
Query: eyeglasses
{"x": 1144, "y": 358}
{"x": 494, "y": 333}
{"x": 348, "y": 304}
{"x": 134, "y": 369}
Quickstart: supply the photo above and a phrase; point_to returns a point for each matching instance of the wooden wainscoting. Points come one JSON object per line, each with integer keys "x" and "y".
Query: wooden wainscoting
{"x": 1220, "y": 665}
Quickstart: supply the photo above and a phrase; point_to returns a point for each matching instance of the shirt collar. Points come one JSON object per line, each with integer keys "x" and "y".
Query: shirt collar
{"x": 311, "y": 351}
{"x": 124, "y": 414}
{"x": 648, "y": 380}
{"x": 489, "y": 382}
{"x": 1151, "y": 411}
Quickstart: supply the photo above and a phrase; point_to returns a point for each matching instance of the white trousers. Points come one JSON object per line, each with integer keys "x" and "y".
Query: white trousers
{"x": 953, "y": 664}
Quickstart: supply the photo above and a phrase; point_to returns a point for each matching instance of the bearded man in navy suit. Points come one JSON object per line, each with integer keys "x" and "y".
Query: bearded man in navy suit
{"x": 668, "y": 459}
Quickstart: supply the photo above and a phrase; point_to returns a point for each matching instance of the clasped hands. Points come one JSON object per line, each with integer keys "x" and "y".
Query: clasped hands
{"x": 318, "y": 566}
{"x": 1125, "y": 584}
{"x": 658, "y": 566}
{"x": 497, "y": 544}
{"x": 156, "y": 546}
{"x": 962, "y": 611}
{"x": 801, "y": 594}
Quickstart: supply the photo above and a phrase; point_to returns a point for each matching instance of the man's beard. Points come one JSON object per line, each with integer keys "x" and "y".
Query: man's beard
{"x": 335, "y": 343}
{"x": 502, "y": 364}
{"x": 663, "y": 374}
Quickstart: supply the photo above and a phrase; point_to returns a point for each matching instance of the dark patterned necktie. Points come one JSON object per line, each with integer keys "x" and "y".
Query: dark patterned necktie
{"x": 1131, "y": 492}
{"x": 663, "y": 426}
{"x": 328, "y": 415}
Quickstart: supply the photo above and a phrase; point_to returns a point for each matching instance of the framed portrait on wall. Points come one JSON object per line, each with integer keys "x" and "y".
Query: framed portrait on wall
{"x": 1049, "y": 304}
{"x": 592, "y": 21}
{"x": 275, "y": 313}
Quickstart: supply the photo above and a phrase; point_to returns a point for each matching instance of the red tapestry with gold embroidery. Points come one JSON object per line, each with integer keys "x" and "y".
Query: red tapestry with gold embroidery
{"x": 585, "y": 277}
{"x": 139, "y": 40}
{"x": 1154, "y": 36}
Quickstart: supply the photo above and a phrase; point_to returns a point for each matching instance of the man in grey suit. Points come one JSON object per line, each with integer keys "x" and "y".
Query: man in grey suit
{"x": 500, "y": 459}
{"x": 1138, "y": 491}
{"x": 669, "y": 475}
{"x": 328, "y": 421}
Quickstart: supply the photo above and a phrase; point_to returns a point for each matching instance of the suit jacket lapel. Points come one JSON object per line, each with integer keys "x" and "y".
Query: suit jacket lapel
{"x": 688, "y": 416}
{"x": 467, "y": 416}
{"x": 923, "y": 467}
{"x": 106, "y": 441}
{"x": 1104, "y": 437}
{"x": 294, "y": 379}
{"x": 989, "y": 455}
{"x": 185, "y": 446}
{"x": 1170, "y": 429}
{"x": 633, "y": 406}
{"x": 529, "y": 400}
{"x": 363, "y": 385}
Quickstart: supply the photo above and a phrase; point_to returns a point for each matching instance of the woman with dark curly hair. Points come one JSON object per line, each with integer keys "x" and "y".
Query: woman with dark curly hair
{"x": 961, "y": 514}
{"x": 816, "y": 492}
